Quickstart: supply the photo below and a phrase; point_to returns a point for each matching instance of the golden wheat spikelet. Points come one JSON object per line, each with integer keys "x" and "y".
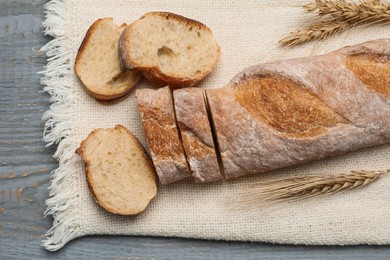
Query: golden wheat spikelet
{"x": 316, "y": 31}
{"x": 337, "y": 16}
{"x": 300, "y": 188}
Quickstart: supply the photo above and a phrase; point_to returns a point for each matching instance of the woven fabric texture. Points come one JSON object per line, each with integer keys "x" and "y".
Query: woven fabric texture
{"x": 248, "y": 32}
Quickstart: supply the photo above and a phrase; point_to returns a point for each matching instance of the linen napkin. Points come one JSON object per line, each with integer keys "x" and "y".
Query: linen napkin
{"x": 248, "y": 32}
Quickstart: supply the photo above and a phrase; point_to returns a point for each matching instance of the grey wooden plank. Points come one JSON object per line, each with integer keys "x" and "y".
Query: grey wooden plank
{"x": 25, "y": 165}
{"x": 24, "y": 162}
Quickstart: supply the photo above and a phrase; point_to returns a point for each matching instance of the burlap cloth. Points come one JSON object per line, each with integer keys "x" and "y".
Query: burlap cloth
{"x": 248, "y": 32}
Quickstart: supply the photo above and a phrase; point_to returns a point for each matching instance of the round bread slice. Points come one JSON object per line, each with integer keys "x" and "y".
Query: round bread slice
{"x": 120, "y": 175}
{"x": 97, "y": 62}
{"x": 170, "y": 49}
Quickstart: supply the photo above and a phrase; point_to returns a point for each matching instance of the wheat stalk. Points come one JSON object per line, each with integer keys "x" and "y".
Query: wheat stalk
{"x": 336, "y": 16}
{"x": 369, "y": 11}
{"x": 316, "y": 31}
{"x": 303, "y": 187}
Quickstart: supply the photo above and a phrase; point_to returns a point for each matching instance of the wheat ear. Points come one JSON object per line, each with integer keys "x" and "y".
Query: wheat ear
{"x": 316, "y": 31}
{"x": 303, "y": 187}
{"x": 336, "y": 16}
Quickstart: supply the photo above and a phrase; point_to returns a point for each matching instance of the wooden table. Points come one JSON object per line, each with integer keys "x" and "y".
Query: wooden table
{"x": 25, "y": 166}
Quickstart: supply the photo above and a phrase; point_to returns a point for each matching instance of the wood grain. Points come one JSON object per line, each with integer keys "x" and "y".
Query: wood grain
{"x": 25, "y": 165}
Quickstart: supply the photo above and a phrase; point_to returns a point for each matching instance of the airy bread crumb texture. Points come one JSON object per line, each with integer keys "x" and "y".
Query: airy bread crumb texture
{"x": 97, "y": 62}
{"x": 169, "y": 48}
{"x": 119, "y": 173}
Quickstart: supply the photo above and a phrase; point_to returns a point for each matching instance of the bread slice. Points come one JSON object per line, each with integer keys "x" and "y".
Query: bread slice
{"x": 119, "y": 173}
{"x": 198, "y": 143}
{"x": 170, "y": 49}
{"x": 97, "y": 63}
{"x": 158, "y": 120}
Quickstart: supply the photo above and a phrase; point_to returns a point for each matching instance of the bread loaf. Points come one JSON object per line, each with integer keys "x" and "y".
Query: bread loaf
{"x": 97, "y": 63}
{"x": 120, "y": 175}
{"x": 294, "y": 111}
{"x": 170, "y": 49}
{"x": 161, "y": 132}
{"x": 193, "y": 123}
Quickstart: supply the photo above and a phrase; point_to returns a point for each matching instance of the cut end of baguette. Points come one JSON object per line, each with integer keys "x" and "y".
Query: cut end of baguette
{"x": 119, "y": 173}
{"x": 170, "y": 49}
{"x": 97, "y": 62}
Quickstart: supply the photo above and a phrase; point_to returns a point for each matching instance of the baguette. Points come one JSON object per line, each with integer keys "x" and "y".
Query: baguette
{"x": 161, "y": 132}
{"x": 97, "y": 63}
{"x": 294, "y": 111}
{"x": 194, "y": 125}
{"x": 119, "y": 173}
{"x": 170, "y": 49}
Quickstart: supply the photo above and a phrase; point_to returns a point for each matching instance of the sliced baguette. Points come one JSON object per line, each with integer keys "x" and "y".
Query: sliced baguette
{"x": 97, "y": 63}
{"x": 198, "y": 143}
{"x": 170, "y": 49}
{"x": 161, "y": 132}
{"x": 120, "y": 175}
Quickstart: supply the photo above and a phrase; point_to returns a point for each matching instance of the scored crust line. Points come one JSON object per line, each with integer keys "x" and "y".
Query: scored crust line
{"x": 179, "y": 131}
{"x": 213, "y": 133}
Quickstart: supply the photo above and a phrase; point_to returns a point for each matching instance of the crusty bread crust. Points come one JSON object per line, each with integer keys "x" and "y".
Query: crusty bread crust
{"x": 196, "y": 134}
{"x": 154, "y": 73}
{"x": 161, "y": 79}
{"x": 343, "y": 105}
{"x": 161, "y": 132}
{"x": 106, "y": 94}
{"x": 114, "y": 97}
{"x": 91, "y": 184}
